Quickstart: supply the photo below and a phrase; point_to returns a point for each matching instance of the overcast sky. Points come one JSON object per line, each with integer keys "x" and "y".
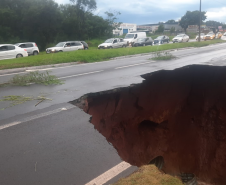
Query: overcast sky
{"x": 154, "y": 11}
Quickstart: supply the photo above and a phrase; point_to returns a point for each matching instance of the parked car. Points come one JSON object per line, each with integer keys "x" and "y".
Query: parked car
{"x": 86, "y": 46}
{"x": 143, "y": 42}
{"x": 31, "y": 47}
{"x": 181, "y": 38}
{"x": 202, "y": 35}
{"x": 132, "y": 37}
{"x": 218, "y": 35}
{"x": 223, "y": 37}
{"x": 8, "y": 51}
{"x": 161, "y": 39}
{"x": 65, "y": 47}
{"x": 113, "y": 43}
{"x": 209, "y": 36}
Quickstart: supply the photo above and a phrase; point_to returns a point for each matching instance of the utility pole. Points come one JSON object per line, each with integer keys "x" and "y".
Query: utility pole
{"x": 200, "y": 20}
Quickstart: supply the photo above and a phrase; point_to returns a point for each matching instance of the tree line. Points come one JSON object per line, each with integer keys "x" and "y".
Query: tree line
{"x": 45, "y": 21}
{"x": 193, "y": 18}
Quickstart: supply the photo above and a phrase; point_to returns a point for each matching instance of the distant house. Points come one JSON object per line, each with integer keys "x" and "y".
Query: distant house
{"x": 125, "y": 28}
{"x": 167, "y": 26}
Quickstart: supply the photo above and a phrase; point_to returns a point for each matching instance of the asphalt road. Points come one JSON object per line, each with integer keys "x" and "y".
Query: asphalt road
{"x": 54, "y": 143}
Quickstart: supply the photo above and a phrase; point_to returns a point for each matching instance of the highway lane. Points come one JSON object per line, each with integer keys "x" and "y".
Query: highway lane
{"x": 97, "y": 66}
{"x": 86, "y": 78}
{"x": 63, "y": 147}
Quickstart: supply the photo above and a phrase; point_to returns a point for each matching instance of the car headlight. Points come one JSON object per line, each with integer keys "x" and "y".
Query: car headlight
{"x": 159, "y": 42}
{"x": 53, "y": 50}
{"x": 105, "y": 46}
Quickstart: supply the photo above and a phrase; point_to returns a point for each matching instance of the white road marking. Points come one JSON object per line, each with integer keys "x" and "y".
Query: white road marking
{"x": 108, "y": 175}
{"x": 12, "y": 74}
{"x": 80, "y": 74}
{"x": 36, "y": 117}
{"x": 133, "y": 65}
{"x": 10, "y": 125}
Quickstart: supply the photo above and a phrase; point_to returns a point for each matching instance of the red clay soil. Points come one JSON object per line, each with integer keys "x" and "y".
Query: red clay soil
{"x": 179, "y": 115}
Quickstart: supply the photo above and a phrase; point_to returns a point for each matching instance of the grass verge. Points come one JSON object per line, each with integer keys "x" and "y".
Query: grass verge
{"x": 94, "y": 55}
{"x": 147, "y": 175}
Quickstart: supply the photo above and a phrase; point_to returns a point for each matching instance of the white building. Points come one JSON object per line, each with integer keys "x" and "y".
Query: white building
{"x": 125, "y": 28}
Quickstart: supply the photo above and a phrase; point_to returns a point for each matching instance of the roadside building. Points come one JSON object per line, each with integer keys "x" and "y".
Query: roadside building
{"x": 193, "y": 28}
{"x": 168, "y": 26}
{"x": 148, "y": 27}
{"x": 125, "y": 28}
{"x": 154, "y": 27}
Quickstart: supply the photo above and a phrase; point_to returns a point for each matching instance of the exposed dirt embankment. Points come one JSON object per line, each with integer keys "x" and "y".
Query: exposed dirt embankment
{"x": 179, "y": 115}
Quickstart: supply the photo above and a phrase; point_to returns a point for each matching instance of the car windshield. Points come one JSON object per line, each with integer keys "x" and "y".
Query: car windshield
{"x": 160, "y": 37}
{"x": 17, "y": 44}
{"x": 61, "y": 44}
{"x": 129, "y": 36}
{"x": 141, "y": 40}
{"x": 224, "y": 34}
{"x": 180, "y": 35}
{"x": 109, "y": 41}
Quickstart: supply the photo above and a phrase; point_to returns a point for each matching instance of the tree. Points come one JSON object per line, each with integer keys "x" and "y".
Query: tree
{"x": 213, "y": 24}
{"x": 45, "y": 22}
{"x": 171, "y": 21}
{"x": 160, "y": 28}
{"x": 191, "y": 18}
{"x": 112, "y": 21}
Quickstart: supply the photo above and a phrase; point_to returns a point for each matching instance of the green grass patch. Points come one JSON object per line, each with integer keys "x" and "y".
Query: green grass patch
{"x": 94, "y": 55}
{"x": 147, "y": 175}
{"x": 34, "y": 78}
{"x": 163, "y": 56}
{"x": 17, "y": 100}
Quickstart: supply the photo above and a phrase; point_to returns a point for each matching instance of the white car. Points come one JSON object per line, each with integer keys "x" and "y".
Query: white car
{"x": 132, "y": 37}
{"x": 31, "y": 47}
{"x": 113, "y": 43}
{"x": 181, "y": 38}
{"x": 223, "y": 37}
{"x": 8, "y": 51}
{"x": 65, "y": 47}
{"x": 202, "y": 36}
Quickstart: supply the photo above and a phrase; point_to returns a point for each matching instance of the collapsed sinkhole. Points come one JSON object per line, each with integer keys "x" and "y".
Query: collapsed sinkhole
{"x": 179, "y": 115}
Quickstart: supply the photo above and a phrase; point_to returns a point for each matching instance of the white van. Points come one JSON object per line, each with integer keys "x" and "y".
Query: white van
{"x": 132, "y": 37}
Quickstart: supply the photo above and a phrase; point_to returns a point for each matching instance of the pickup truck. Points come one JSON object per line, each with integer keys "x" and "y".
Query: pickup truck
{"x": 113, "y": 43}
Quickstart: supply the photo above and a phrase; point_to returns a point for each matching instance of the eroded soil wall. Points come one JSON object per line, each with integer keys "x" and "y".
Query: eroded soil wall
{"x": 179, "y": 115}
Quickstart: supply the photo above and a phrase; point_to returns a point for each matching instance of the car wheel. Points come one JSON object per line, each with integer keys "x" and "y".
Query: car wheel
{"x": 167, "y": 41}
{"x": 19, "y": 56}
{"x": 86, "y": 48}
{"x": 35, "y": 53}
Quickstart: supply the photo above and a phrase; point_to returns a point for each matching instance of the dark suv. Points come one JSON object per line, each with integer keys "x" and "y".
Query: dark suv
{"x": 86, "y": 46}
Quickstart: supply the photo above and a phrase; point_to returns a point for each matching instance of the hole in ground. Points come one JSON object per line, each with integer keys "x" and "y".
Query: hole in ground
{"x": 158, "y": 162}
